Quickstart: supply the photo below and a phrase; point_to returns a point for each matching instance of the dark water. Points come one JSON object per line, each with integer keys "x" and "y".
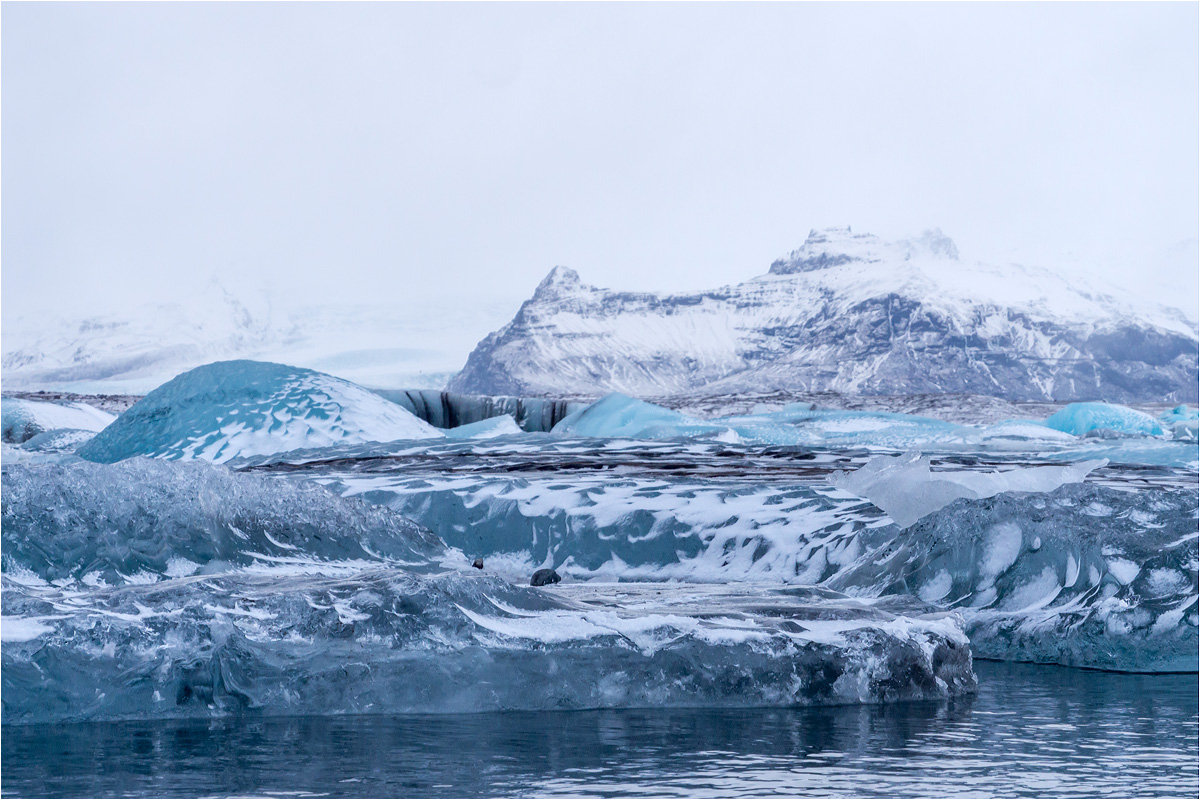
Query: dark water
{"x": 1029, "y": 731}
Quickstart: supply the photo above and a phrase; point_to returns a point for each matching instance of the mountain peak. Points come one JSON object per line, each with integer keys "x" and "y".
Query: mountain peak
{"x": 559, "y": 279}
{"x": 831, "y": 247}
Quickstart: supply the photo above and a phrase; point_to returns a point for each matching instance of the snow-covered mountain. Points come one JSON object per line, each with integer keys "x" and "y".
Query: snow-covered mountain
{"x": 848, "y": 313}
{"x": 392, "y": 343}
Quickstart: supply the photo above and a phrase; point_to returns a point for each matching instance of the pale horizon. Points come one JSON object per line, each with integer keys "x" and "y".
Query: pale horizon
{"x": 430, "y": 155}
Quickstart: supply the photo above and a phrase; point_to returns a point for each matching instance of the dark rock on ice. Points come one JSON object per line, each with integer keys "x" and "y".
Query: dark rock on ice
{"x": 543, "y": 577}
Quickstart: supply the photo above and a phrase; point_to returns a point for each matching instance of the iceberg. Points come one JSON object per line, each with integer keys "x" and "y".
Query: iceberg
{"x": 23, "y": 419}
{"x": 1085, "y": 575}
{"x": 616, "y": 415}
{"x": 240, "y": 408}
{"x": 151, "y": 589}
{"x": 1183, "y": 423}
{"x": 489, "y": 428}
{"x": 709, "y": 513}
{"x": 1083, "y": 418}
{"x": 1031, "y": 432}
{"x": 904, "y": 488}
{"x": 797, "y": 425}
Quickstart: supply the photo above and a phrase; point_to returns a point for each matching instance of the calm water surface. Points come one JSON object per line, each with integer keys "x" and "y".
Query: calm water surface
{"x": 1029, "y": 731}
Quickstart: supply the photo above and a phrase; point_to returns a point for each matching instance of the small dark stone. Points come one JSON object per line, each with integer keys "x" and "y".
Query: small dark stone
{"x": 543, "y": 577}
{"x": 477, "y": 563}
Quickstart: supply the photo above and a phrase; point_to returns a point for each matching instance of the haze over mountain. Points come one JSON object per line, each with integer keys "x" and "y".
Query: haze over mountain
{"x": 847, "y": 312}
{"x": 386, "y": 341}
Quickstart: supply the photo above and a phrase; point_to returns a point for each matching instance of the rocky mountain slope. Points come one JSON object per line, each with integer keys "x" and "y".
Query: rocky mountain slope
{"x": 847, "y": 313}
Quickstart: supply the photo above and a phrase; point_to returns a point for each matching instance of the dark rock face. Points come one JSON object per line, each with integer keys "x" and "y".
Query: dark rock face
{"x": 849, "y": 314}
{"x": 450, "y": 410}
{"x": 544, "y": 577}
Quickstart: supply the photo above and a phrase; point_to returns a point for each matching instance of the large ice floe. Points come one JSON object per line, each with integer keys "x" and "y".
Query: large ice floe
{"x": 1104, "y": 431}
{"x": 239, "y": 408}
{"x": 153, "y": 588}
{"x": 616, "y": 415}
{"x": 1082, "y": 563}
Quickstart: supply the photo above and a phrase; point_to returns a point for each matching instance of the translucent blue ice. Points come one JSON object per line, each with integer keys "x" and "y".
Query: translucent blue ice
{"x": 1082, "y": 418}
{"x": 617, "y": 415}
{"x": 1182, "y": 422}
{"x": 503, "y": 425}
{"x": 907, "y": 490}
{"x": 796, "y": 424}
{"x": 238, "y": 408}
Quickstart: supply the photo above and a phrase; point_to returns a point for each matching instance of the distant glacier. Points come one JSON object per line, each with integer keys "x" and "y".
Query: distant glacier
{"x": 847, "y": 312}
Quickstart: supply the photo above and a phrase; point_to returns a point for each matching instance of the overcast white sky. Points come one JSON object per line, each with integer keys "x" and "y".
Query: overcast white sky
{"x": 411, "y": 152}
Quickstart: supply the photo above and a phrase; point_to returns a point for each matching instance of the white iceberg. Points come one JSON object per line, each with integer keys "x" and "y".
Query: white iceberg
{"x": 904, "y": 487}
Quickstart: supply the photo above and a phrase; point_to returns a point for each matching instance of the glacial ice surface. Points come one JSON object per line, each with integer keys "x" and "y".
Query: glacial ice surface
{"x": 238, "y": 408}
{"x": 153, "y": 588}
{"x": 1085, "y": 575}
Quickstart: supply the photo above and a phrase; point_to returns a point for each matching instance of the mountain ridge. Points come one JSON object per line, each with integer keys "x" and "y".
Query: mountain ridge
{"x": 846, "y": 312}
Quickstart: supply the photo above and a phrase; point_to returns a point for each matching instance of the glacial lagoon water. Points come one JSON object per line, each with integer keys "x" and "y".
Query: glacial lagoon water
{"x": 1028, "y": 731}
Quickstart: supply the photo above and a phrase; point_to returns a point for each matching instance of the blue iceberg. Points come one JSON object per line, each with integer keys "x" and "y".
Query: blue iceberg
{"x": 239, "y": 408}
{"x": 1183, "y": 423}
{"x": 1083, "y": 418}
{"x": 796, "y": 424}
{"x": 490, "y": 428}
{"x": 616, "y": 415}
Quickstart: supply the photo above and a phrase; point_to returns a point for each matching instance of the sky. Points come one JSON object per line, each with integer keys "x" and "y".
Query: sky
{"x": 449, "y": 155}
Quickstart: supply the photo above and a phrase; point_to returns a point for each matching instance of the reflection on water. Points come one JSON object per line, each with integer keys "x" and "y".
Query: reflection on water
{"x": 1029, "y": 731}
